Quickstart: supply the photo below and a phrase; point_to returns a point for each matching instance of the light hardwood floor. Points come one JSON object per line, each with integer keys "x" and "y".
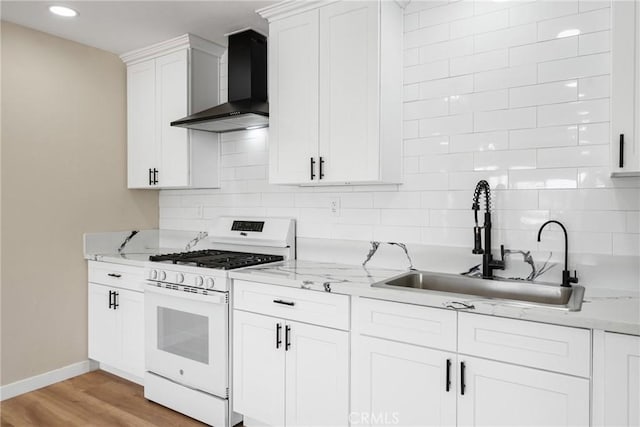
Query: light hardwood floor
{"x": 94, "y": 399}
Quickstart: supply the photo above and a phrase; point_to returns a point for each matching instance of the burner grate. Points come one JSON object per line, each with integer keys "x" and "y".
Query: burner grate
{"x": 212, "y": 258}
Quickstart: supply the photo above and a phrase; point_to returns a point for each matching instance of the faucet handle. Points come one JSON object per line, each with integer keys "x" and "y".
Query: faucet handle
{"x": 574, "y": 279}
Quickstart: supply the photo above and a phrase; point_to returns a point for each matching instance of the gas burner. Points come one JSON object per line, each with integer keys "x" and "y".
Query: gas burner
{"x": 212, "y": 258}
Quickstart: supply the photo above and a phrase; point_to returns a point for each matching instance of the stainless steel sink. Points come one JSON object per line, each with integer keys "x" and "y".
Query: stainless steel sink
{"x": 524, "y": 293}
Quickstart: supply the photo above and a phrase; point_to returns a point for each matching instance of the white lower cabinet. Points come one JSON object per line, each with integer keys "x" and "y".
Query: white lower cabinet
{"x": 116, "y": 318}
{"x": 288, "y": 373}
{"x": 116, "y": 328}
{"x": 500, "y": 394}
{"x": 621, "y": 380}
{"x": 402, "y": 384}
{"x": 427, "y": 382}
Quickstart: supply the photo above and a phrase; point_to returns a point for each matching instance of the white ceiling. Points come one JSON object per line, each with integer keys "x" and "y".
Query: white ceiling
{"x": 122, "y": 26}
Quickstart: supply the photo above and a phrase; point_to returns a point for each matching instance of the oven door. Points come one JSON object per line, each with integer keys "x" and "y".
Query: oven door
{"x": 187, "y": 338}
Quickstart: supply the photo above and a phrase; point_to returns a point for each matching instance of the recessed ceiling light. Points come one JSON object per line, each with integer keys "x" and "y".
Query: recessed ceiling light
{"x": 63, "y": 11}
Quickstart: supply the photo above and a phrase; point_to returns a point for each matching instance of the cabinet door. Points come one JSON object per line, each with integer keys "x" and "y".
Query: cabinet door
{"x": 141, "y": 131}
{"x": 317, "y": 376}
{"x": 349, "y": 92}
{"x": 131, "y": 312}
{"x": 104, "y": 342}
{"x": 258, "y": 367}
{"x": 499, "y": 394}
{"x": 172, "y": 103}
{"x": 625, "y": 88}
{"x": 293, "y": 98}
{"x": 402, "y": 384}
{"x": 622, "y": 380}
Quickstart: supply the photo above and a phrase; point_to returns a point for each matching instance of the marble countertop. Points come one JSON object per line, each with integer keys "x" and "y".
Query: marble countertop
{"x": 605, "y": 309}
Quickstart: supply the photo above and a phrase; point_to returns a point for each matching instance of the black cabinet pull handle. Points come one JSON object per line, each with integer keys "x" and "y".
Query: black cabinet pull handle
{"x": 117, "y": 276}
{"x": 289, "y": 303}
{"x": 115, "y": 300}
{"x": 287, "y": 337}
{"x": 111, "y": 293}
{"x": 155, "y": 176}
{"x": 462, "y": 384}
{"x": 621, "y": 161}
{"x": 313, "y": 169}
{"x": 278, "y": 340}
{"x": 150, "y": 177}
{"x": 321, "y": 167}
{"x": 448, "y": 380}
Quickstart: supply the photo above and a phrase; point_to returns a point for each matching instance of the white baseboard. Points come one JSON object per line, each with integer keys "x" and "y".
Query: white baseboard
{"x": 38, "y": 381}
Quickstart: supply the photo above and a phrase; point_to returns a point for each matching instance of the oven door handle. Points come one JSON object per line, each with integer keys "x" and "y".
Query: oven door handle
{"x": 213, "y": 297}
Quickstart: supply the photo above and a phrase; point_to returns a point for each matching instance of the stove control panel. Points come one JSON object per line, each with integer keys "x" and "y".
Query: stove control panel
{"x": 186, "y": 279}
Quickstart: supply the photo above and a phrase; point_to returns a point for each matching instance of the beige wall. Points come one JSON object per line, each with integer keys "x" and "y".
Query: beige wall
{"x": 63, "y": 173}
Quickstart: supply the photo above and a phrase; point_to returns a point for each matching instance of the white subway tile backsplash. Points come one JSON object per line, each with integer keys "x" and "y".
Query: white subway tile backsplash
{"x": 481, "y": 101}
{"x": 619, "y": 199}
{"x": 449, "y": 125}
{"x": 626, "y": 244}
{"x": 572, "y": 25}
{"x": 541, "y": 10}
{"x": 507, "y": 37}
{"x": 446, "y": 13}
{"x": 447, "y": 162}
{"x": 490, "y": 92}
{"x": 429, "y": 108}
{"x": 410, "y": 217}
{"x": 543, "y": 51}
{"x": 481, "y": 141}
{"x": 558, "y": 136}
{"x": 593, "y": 87}
{"x": 581, "y": 66}
{"x": 505, "y": 78}
{"x": 515, "y": 118}
{"x": 546, "y": 93}
{"x": 574, "y": 112}
{"x": 594, "y": 42}
{"x": 468, "y": 180}
{"x": 543, "y": 178}
{"x": 428, "y": 35}
{"x": 446, "y": 87}
{"x": 399, "y": 200}
{"x": 592, "y": 221}
{"x": 479, "y": 62}
{"x": 425, "y": 146}
{"x": 480, "y": 24}
{"x": 497, "y": 160}
{"x": 425, "y": 72}
{"x": 580, "y": 156}
{"x": 446, "y": 50}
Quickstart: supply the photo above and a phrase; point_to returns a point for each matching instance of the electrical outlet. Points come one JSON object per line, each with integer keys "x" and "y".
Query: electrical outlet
{"x": 199, "y": 211}
{"x": 334, "y": 206}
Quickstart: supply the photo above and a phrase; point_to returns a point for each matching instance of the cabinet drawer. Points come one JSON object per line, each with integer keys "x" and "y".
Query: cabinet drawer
{"x": 117, "y": 275}
{"x": 414, "y": 324}
{"x": 539, "y": 345}
{"x": 291, "y": 303}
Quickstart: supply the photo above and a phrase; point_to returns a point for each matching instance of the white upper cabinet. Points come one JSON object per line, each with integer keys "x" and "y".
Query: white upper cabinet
{"x": 166, "y": 82}
{"x": 335, "y": 82}
{"x": 625, "y": 89}
{"x": 293, "y": 112}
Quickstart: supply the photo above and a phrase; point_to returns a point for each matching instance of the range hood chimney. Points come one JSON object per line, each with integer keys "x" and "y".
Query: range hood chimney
{"x": 247, "y": 107}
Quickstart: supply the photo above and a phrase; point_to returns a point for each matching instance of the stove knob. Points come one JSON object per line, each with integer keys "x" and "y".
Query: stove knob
{"x": 210, "y": 283}
{"x": 199, "y": 281}
{"x": 179, "y": 277}
{"x": 163, "y": 275}
{"x": 153, "y": 274}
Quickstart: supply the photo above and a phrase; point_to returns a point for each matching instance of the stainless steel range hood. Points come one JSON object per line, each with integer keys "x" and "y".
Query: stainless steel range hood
{"x": 247, "y": 107}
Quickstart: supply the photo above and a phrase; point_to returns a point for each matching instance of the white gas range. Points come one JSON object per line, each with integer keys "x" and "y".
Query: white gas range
{"x": 187, "y": 316}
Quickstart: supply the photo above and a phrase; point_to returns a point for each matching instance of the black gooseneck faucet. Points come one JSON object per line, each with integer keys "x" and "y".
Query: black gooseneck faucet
{"x": 488, "y": 263}
{"x": 567, "y": 280}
